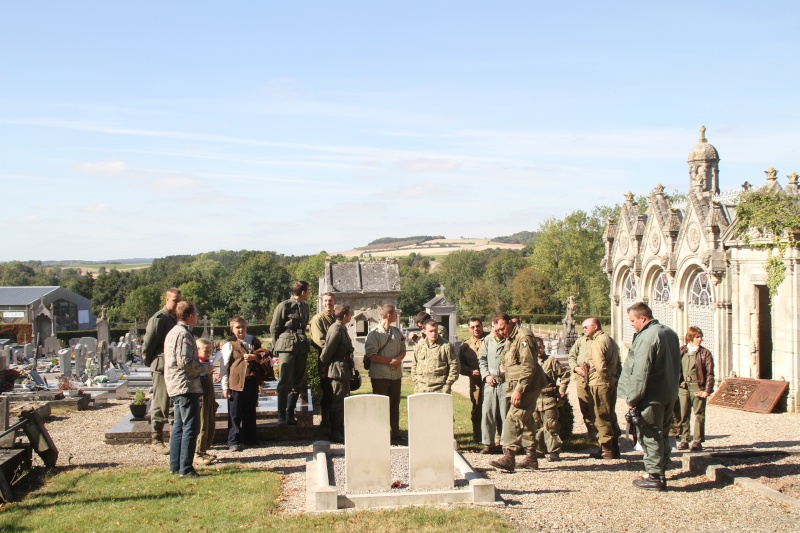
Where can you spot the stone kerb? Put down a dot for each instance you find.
(430, 441)
(367, 443)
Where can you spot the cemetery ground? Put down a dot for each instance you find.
(99, 487)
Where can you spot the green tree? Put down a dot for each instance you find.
(460, 269)
(527, 293)
(257, 285)
(567, 256)
(309, 269)
(140, 304)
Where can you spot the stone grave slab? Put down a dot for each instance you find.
(430, 440)
(367, 443)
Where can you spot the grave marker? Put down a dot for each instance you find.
(367, 445)
(430, 440)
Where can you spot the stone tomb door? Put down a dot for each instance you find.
(762, 332)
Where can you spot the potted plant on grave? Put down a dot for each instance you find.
(139, 405)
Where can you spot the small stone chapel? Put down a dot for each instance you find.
(684, 261)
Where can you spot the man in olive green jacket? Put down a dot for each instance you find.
(434, 367)
(578, 357)
(288, 330)
(159, 325)
(604, 368)
(524, 382)
(649, 383)
(318, 328)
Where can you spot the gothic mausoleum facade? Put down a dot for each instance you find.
(685, 261)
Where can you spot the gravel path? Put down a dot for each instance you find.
(577, 494)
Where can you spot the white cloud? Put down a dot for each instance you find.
(104, 168)
(424, 164)
(96, 208)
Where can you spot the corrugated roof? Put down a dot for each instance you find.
(23, 295)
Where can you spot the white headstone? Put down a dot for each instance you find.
(367, 443)
(73, 341)
(111, 374)
(27, 351)
(65, 362)
(430, 441)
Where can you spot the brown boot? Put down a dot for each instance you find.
(507, 462)
(605, 452)
(157, 444)
(530, 460)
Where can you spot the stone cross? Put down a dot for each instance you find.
(204, 322)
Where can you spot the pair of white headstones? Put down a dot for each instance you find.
(368, 445)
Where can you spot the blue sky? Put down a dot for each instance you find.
(156, 128)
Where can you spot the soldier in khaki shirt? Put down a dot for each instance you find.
(434, 367)
(524, 382)
(604, 371)
(578, 363)
(318, 328)
(468, 359)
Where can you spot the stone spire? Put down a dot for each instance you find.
(704, 165)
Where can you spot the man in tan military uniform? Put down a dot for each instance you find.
(318, 328)
(159, 325)
(524, 381)
(434, 367)
(604, 371)
(546, 416)
(468, 359)
(578, 363)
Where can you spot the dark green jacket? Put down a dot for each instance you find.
(158, 326)
(652, 370)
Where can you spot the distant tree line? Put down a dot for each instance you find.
(563, 260)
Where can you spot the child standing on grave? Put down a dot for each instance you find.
(208, 407)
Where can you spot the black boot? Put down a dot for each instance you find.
(291, 403)
(281, 409)
(615, 448)
(337, 426)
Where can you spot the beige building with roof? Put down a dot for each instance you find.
(684, 260)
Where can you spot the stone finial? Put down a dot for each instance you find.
(792, 178)
(629, 198)
(659, 190)
(703, 134)
(772, 174)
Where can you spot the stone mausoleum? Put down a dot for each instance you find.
(684, 260)
(365, 287)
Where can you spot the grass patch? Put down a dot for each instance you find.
(231, 498)
(145, 499)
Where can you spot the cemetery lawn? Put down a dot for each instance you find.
(230, 498)
(462, 425)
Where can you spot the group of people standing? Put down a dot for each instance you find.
(516, 388)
